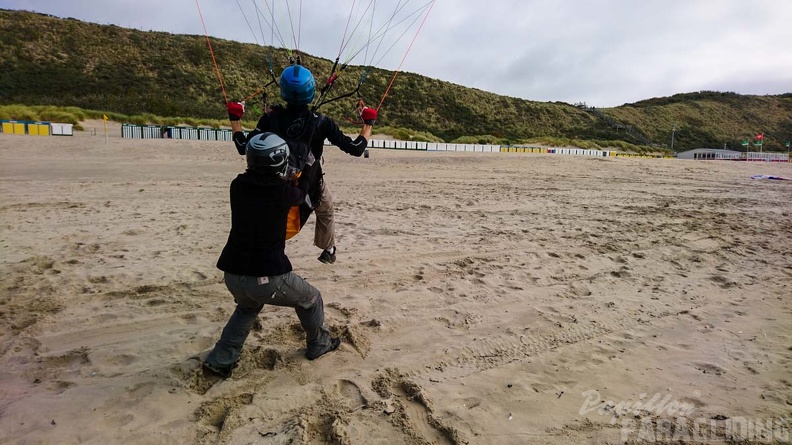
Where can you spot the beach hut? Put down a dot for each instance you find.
(59, 129)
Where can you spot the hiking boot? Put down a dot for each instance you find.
(328, 257)
(335, 342)
(220, 371)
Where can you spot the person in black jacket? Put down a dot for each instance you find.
(257, 270)
(296, 122)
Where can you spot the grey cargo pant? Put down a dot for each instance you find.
(288, 290)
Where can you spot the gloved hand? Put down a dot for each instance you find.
(235, 110)
(369, 115)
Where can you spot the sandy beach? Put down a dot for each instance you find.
(482, 299)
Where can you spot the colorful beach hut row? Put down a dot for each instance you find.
(434, 146)
(523, 149)
(483, 148)
(431, 146)
(575, 152)
(36, 128)
(132, 131)
(579, 152)
(396, 145)
(631, 155)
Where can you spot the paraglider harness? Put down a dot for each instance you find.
(298, 132)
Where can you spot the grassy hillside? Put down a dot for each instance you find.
(66, 62)
(710, 119)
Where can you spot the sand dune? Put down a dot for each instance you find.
(480, 298)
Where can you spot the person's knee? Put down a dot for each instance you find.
(324, 210)
(312, 299)
(326, 204)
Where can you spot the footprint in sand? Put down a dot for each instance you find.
(345, 311)
(350, 392)
(214, 412)
(709, 368)
(57, 386)
(198, 275)
(267, 358)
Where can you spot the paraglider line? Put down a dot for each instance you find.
(211, 51)
(405, 55)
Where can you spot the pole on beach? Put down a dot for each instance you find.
(104, 118)
(673, 130)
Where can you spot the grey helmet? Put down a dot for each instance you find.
(267, 153)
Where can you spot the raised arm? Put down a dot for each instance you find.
(354, 147)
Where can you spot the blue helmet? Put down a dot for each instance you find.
(297, 85)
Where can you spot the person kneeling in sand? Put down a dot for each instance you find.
(257, 270)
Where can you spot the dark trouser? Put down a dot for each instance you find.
(288, 290)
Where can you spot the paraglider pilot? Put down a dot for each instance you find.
(257, 270)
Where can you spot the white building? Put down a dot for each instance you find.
(714, 154)
(704, 154)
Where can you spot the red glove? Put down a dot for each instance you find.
(235, 110)
(369, 115)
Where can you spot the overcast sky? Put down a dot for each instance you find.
(602, 52)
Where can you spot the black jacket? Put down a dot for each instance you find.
(259, 207)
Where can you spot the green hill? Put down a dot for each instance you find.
(66, 62)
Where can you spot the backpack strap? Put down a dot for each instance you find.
(298, 132)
